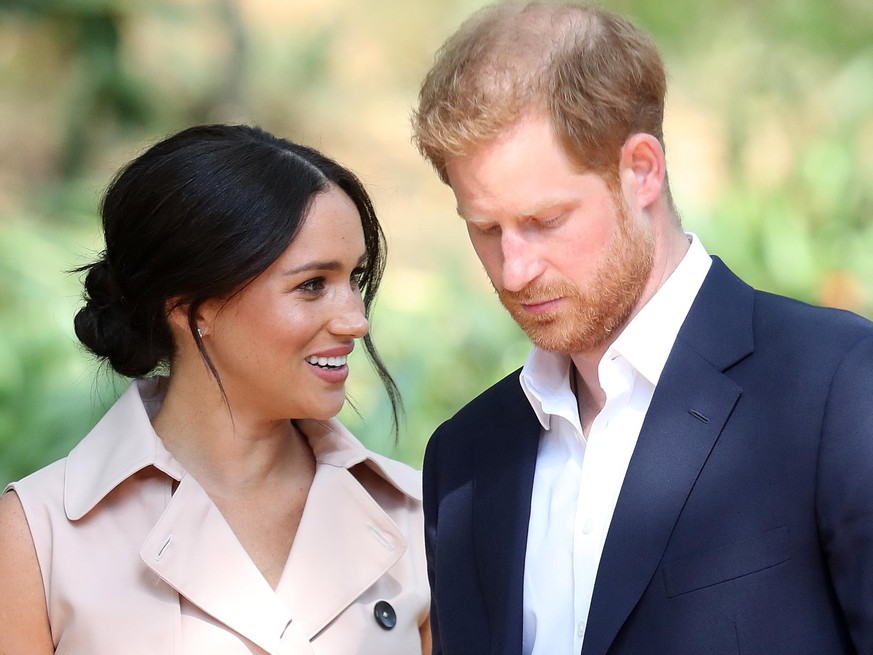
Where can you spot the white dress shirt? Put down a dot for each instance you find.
(577, 482)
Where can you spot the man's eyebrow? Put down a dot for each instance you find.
(332, 265)
(466, 217)
(534, 210)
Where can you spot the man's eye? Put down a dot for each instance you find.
(488, 230)
(552, 222)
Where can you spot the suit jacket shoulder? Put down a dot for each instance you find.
(482, 412)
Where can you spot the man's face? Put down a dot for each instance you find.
(565, 255)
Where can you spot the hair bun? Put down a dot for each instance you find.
(106, 325)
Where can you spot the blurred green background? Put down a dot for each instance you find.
(769, 141)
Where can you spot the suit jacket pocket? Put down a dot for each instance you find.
(727, 563)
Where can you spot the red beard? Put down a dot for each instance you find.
(588, 317)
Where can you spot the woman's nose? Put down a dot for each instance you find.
(350, 319)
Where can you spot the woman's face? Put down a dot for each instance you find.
(280, 345)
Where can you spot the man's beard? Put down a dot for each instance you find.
(602, 307)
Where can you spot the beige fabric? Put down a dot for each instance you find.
(130, 566)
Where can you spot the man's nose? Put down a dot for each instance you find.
(522, 261)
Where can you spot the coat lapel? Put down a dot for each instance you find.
(505, 463)
(344, 544)
(692, 403)
(193, 549)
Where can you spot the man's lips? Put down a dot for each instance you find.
(540, 306)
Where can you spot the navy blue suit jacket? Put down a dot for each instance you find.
(745, 521)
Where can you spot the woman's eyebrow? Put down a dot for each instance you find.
(332, 265)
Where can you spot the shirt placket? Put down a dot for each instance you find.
(599, 486)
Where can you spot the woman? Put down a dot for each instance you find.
(222, 508)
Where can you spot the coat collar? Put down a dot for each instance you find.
(123, 443)
(344, 544)
(690, 407)
(333, 445)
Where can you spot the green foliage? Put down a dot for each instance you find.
(444, 341)
(49, 395)
(773, 101)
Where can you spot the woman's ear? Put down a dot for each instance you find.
(643, 166)
(178, 317)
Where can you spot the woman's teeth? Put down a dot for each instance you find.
(327, 362)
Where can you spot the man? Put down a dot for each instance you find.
(684, 465)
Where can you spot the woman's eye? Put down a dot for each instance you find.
(315, 285)
(358, 276)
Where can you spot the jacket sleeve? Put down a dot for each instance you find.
(845, 490)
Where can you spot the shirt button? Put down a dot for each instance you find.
(580, 628)
(588, 526)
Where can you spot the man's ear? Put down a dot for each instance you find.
(643, 168)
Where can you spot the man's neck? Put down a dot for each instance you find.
(590, 396)
(586, 381)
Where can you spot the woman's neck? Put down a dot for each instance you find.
(226, 449)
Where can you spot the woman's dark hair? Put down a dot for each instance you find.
(198, 216)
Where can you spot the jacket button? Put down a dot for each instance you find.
(385, 615)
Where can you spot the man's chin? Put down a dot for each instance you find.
(564, 344)
(556, 337)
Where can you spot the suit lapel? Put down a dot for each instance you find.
(691, 404)
(671, 450)
(505, 463)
